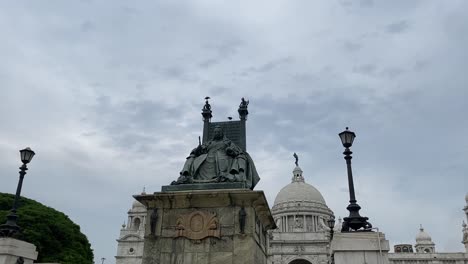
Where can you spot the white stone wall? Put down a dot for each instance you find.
(428, 258)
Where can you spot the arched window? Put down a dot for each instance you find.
(427, 250)
(405, 249)
(300, 261)
(136, 223)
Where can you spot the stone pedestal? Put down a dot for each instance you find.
(360, 247)
(12, 249)
(204, 227)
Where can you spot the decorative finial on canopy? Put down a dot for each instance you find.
(243, 112)
(297, 159)
(206, 111)
(207, 105)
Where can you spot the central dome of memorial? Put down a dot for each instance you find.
(299, 191)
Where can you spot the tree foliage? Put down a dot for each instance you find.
(56, 237)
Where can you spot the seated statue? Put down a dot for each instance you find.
(219, 160)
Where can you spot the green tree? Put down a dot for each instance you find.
(56, 237)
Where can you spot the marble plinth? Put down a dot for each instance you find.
(360, 247)
(12, 249)
(203, 227)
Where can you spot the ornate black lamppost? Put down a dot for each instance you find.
(10, 228)
(331, 225)
(354, 221)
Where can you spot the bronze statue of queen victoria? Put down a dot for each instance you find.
(219, 160)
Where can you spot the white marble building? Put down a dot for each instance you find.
(131, 238)
(425, 249)
(302, 237)
(300, 212)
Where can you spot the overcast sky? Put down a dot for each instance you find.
(109, 95)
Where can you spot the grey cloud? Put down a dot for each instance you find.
(346, 3)
(366, 3)
(361, 3)
(208, 63)
(266, 67)
(351, 46)
(373, 70)
(397, 27)
(393, 72)
(367, 69)
(87, 26)
(222, 52)
(132, 123)
(420, 65)
(178, 73)
(130, 10)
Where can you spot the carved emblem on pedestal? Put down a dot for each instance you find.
(198, 225)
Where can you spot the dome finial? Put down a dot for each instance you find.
(297, 172)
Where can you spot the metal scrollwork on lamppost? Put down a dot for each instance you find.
(354, 221)
(11, 228)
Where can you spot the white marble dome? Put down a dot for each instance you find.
(299, 191)
(423, 236)
(137, 204)
(137, 207)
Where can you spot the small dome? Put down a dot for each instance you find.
(137, 204)
(423, 236)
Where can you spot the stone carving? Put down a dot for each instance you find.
(219, 160)
(198, 225)
(242, 217)
(299, 249)
(465, 233)
(298, 223)
(153, 221)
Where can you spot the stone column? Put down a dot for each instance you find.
(360, 247)
(12, 249)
